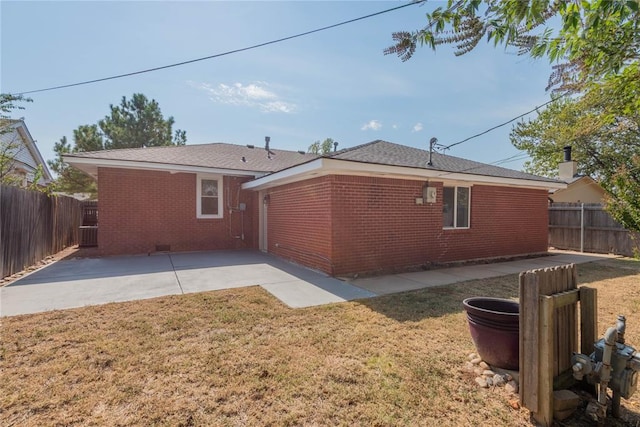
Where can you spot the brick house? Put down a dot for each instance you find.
(376, 207)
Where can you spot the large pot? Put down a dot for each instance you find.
(494, 324)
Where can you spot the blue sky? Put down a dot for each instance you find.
(336, 83)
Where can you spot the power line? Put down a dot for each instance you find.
(217, 55)
(503, 124)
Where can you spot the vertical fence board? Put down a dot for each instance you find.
(588, 319)
(544, 415)
(34, 226)
(529, 292)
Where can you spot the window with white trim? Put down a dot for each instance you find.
(456, 207)
(209, 196)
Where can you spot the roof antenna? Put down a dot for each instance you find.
(432, 142)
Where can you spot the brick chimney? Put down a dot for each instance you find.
(568, 168)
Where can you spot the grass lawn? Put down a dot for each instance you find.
(240, 357)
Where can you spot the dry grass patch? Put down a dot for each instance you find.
(239, 357)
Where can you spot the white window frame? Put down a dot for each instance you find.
(219, 180)
(455, 207)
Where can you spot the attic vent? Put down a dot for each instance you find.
(250, 146)
(301, 152)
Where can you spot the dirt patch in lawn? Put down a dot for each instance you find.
(240, 357)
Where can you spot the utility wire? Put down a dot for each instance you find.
(503, 124)
(204, 58)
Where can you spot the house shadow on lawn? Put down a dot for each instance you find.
(412, 306)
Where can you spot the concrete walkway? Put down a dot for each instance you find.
(383, 285)
(91, 281)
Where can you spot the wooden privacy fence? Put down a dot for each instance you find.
(587, 227)
(34, 226)
(549, 333)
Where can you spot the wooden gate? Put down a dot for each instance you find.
(89, 227)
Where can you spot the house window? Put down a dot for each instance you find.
(209, 196)
(455, 207)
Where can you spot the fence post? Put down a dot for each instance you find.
(582, 227)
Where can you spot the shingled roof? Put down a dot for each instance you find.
(243, 159)
(387, 153)
(215, 155)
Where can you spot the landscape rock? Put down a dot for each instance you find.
(476, 361)
(472, 356)
(488, 373)
(484, 365)
(511, 387)
(482, 382)
(498, 380)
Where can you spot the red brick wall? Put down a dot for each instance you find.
(367, 224)
(141, 209)
(299, 223)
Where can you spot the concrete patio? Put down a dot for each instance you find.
(91, 281)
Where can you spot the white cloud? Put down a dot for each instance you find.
(254, 95)
(394, 126)
(417, 127)
(373, 125)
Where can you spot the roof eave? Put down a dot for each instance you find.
(90, 167)
(329, 166)
(20, 125)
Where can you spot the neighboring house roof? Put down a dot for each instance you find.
(580, 189)
(215, 157)
(379, 158)
(22, 147)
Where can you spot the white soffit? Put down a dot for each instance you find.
(327, 166)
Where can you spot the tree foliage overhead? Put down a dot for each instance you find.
(602, 125)
(135, 123)
(592, 38)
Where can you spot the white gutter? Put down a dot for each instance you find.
(90, 166)
(327, 166)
